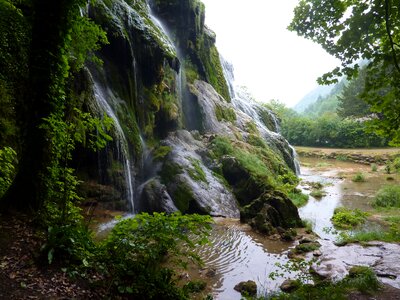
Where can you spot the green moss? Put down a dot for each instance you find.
(161, 152)
(307, 247)
(251, 128)
(256, 140)
(191, 71)
(182, 197)
(266, 168)
(226, 114)
(318, 194)
(298, 199)
(345, 218)
(197, 172)
(169, 171)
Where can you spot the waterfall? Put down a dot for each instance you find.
(190, 113)
(242, 100)
(106, 100)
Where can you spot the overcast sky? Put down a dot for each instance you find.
(271, 61)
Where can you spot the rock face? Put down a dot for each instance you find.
(194, 187)
(163, 84)
(383, 258)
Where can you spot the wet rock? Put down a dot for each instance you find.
(269, 211)
(211, 272)
(306, 240)
(307, 247)
(335, 262)
(155, 197)
(317, 253)
(289, 285)
(193, 187)
(248, 288)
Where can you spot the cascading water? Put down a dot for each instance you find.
(105, 101)
(190, 113)
(243, 101)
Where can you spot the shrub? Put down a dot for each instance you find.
(374, 167)
(387, 196)
(298, 199)
(359, 177)
(345, 218)
(136, 248)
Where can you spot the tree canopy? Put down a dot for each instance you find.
(355, 31)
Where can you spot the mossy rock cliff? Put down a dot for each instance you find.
(185, 18)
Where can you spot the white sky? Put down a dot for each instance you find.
(271, 61)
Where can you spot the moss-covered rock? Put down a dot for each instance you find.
(247, 288)
(185, 18)
(271, 210)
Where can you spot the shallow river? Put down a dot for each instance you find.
(238, 255)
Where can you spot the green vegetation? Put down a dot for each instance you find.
(196, 172)
(360, 278)
(366, 34)
(342, 157)
(161, 152)
(344, 218)
(358, 177)
(298, 199)
(7, 168)
(390, 236)
(317, 193)
(324, 130)
(226, 114)
(387, 196)
(133, 255)
(374, 167)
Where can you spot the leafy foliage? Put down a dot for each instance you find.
(388, 196)
(354, 31)
(326, 130)
(7, 168)
(136, 248)
(345, 218)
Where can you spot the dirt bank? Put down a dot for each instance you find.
(364, 156)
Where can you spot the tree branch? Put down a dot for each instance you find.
(396, 63)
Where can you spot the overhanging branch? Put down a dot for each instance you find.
(389, 33)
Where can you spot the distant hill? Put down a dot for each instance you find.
(327, 103)
(312, 97)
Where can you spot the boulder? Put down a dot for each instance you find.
(155, 197)
(248, 288)
(271, 210)
(290, 285)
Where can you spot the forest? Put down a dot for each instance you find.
(122, 113)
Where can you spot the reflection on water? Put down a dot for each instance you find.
(237, 254)
(340, 190)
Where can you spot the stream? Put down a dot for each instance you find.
(237, 254)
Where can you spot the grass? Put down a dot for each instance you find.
(387, 196)
(359, 177)
(298, 199)
(318, 194)
(374, 167)
(344, 218)
(360, 278)
(342, 157)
